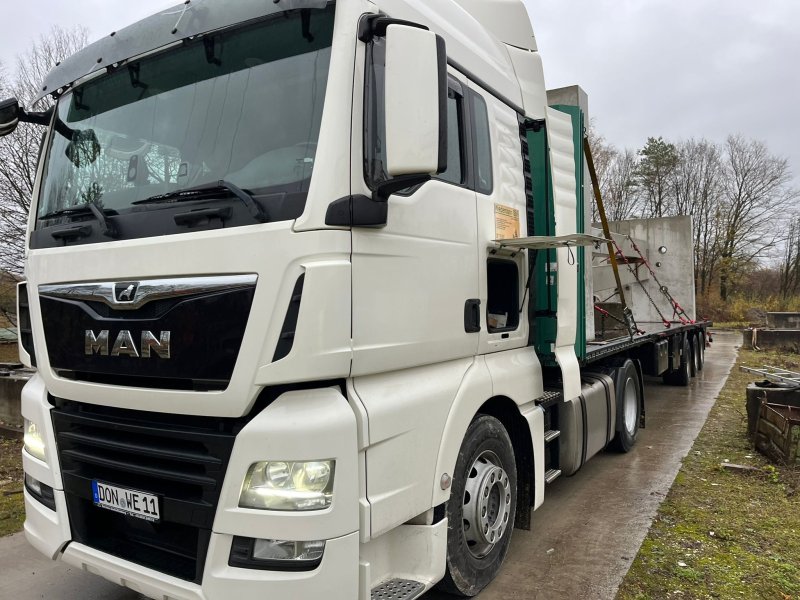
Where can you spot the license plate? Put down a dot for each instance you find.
(128, 502)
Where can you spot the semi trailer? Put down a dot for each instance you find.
(315, 301)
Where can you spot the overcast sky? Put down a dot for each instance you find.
(675, 68)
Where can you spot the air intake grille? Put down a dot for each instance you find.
(180, 459)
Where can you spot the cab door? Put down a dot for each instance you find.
(415, 285)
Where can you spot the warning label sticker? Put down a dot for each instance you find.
(506, 222)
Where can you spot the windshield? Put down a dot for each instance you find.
(242, 106)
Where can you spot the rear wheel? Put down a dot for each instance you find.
(481, 508)
(697, 361)
(682, 375)
(701, 343)
(629, 406)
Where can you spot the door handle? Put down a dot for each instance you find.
(472, 315)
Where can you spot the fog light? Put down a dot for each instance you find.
(40, 491)
(33, 441)
(277, 555)
(286, 550)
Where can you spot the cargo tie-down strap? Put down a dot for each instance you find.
(677, 309)
(629, 321)
(608, 315)
(634, 271)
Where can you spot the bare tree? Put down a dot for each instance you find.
(19, 152)
(621, 193)
(756, 194)
(603, 155)
(790, 267)
(696, 183)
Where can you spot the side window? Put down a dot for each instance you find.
(455, 139)
(484, 182)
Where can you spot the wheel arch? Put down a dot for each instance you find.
(521, 425)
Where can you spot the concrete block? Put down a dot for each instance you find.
(783, 320)
(784, 340)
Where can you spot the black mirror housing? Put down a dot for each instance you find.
(9, 116)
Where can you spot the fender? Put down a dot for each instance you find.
(476, 388)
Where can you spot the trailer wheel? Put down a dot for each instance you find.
(701, 343)
(629, 406)
(697, 364)
(481, 508)
(682, 375)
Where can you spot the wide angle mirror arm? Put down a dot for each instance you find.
(11, 114)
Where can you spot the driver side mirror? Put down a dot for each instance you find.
(9, 116)
(416, 102)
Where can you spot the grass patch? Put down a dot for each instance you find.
(12, 506)
(720, 534)
(731, 325)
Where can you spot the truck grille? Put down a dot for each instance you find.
(181, 459)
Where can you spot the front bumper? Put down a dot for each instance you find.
(335, 578)
(328, 432)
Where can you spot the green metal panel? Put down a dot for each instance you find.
(576, 114)
(546, 278)
(545, 283)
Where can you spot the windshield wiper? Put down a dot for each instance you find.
(253, 207)
(109, 229)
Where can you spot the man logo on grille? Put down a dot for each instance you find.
(126, 292)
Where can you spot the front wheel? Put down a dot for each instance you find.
(481, 508)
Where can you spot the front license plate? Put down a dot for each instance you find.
(125, 501)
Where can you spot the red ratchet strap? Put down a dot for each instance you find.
(678, 310)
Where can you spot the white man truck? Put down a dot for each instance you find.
(309, 295)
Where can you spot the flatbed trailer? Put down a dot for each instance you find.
(654, 333)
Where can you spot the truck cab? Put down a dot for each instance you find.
(284, 344)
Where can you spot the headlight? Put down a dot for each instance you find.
(33, 441)
(280, 485)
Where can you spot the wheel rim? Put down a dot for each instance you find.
(487, 504)
(631, 408)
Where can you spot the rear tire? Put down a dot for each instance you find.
(694, 364)
(481, 508)
(701, 344)
(682, 375)
(629, 406)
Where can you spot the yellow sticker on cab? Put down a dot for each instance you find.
(506, 222)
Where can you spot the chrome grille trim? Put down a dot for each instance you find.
(148, 290)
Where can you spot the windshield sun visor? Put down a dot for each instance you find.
(161, 29)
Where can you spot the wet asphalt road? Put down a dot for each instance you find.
(582, 541)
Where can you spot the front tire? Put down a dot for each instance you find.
(481, 508)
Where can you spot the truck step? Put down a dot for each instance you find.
(398, 589)
(550, 435)
(551, 475)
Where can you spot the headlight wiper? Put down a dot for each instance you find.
(99, 213)
(209, 189)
